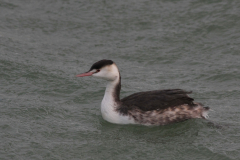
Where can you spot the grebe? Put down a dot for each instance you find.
(158, 107)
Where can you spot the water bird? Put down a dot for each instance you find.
(158, 107)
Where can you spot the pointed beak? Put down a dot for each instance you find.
(85, 74)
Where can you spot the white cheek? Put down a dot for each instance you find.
(108, 73)
(102, 74)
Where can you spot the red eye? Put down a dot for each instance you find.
(97, 71)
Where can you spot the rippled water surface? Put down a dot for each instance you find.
(47, 113)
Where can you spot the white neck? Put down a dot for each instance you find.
(111, 89)
(109, 103)
(111, 99)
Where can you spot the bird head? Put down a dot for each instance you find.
(105, 69)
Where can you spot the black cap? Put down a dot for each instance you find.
(101, 64)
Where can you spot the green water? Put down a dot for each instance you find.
(46, 113)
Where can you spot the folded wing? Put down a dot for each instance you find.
(156, 100)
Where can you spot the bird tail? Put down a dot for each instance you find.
(205, 112)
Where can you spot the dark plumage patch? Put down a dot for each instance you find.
(161, 107)
(155, 100)
(100, 64)
(116, 93)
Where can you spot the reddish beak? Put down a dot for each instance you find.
(84, 74)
